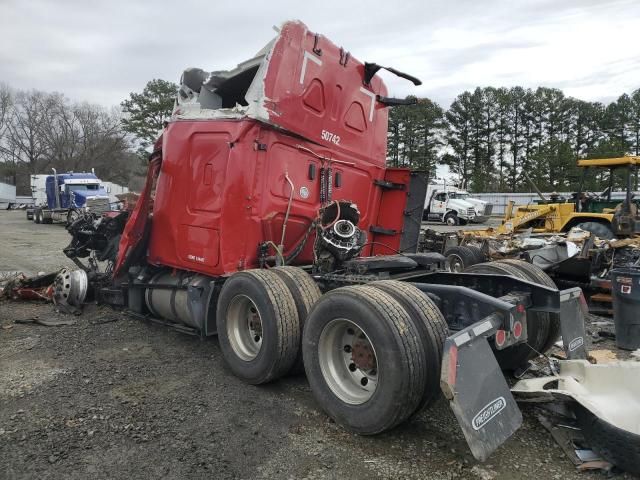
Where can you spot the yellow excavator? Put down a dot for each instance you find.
(599, 214)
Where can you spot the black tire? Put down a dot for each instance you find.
(305, 293)
(37, 216)
(514, 357)
(45, 220)
(537, 275)
(600, 230)
(399, 358)
(451, 219)
(617, 446)
(432, 327)
(279, 337)
(478, 254)
(459, 258)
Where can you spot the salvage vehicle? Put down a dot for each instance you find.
(66, 194)
(453, 206)
(596, 213)
(270, 219)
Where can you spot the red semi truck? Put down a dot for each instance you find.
(269, 218)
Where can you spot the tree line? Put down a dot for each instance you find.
(41, 130)
(490, 136)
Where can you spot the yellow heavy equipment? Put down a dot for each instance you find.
(597, 213)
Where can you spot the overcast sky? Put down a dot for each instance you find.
(99, 51)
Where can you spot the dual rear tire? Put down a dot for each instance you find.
(372, 353)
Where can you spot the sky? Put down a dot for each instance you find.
(99, 51)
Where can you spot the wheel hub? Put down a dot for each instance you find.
(348, 361)
(362, 355)
(244, 327)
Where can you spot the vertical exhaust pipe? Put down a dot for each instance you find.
(57, 187)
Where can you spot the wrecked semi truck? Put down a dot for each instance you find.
(269, 218)
(60, 196)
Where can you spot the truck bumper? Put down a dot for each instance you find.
(474, 384)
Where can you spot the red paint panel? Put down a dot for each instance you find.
(296, 80)
(198, 246)
(391, 211)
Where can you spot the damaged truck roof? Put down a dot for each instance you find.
(300, 82)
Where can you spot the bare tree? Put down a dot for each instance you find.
(45, 130)
(24, 129)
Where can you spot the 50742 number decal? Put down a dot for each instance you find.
(330, 137)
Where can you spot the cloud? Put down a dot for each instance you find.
(101, 51)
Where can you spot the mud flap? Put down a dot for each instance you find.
(476, 389)
(572, 310)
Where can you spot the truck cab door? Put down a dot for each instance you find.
(439, 203)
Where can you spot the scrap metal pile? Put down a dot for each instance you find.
(577, 258)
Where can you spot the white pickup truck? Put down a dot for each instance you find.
(450, 205)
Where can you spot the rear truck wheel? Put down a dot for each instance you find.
(459, 258)
(364, 359)
(600, 230)
(37, 216)
(48, 220)
(431, 326)
(478, 254)
(305, 293)
(451, 219)
(514, 357)
(537, 275)
(258, 326)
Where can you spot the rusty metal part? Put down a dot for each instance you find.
(21, 287)
(362, 355)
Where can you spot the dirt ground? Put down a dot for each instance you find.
(110, 397)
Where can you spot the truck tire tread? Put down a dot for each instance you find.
(432, 327)
(305, 294)
(280, 309)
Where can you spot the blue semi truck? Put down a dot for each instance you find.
(69, 193)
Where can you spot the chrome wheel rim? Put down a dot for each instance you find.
(455, 263)
(348, 361)
(451, 221)
(244, 327)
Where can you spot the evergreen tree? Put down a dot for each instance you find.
(146, 112)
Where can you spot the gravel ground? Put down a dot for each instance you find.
(110, 397)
